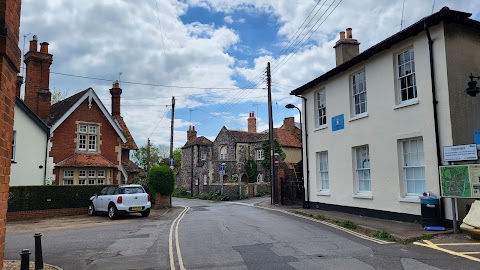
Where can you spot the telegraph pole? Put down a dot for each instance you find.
(148, 155)
(171, 127)
(273, 180)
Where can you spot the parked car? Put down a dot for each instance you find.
(118, 200)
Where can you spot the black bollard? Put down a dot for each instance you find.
(38, 251)
(25, 262)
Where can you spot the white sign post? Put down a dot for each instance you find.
(460, 152)
(222, 173)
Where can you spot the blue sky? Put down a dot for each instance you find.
(205, 53)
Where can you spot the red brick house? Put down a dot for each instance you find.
(88, 145)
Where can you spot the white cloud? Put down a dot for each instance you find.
(228, 19)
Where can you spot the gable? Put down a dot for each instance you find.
(32, 116)
(90, 97)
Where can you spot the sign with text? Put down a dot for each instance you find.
(460, 152)
(460, 181)
(338, 122)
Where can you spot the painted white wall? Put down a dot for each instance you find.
(28, 167)
(382, 129)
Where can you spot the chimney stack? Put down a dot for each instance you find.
(252, 123)
(289, 123)
(346, 47)
(37, 79)
(116, 92)
(191, 134)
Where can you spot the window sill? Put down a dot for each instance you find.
(410, 199)
(407, 103)
(320, 128)
(363, 196)
(358, 116)
(323, 193)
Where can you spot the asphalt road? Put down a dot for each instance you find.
(217, 235)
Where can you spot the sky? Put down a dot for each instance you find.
(211, 55)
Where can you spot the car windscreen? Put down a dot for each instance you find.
(131, 190)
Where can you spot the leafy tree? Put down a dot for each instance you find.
(156, 155)
(251, 170)
(161, 180)
(177, 156)
(266, 150)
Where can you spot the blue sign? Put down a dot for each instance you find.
(338, 122)
(222, 168)
(172, 162)
(476, 136)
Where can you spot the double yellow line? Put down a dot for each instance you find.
(177, 245)
(465, 255)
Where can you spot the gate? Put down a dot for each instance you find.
(293, 192)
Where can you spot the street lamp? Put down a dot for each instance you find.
(472, 88)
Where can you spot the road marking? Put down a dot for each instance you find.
(359, 235)
(459, 244)
(431, 245)
(170, 241)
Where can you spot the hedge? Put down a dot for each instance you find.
(24, 198)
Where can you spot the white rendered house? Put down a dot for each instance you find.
(378, 121)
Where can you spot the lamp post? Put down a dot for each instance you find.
(472, 88)
(291, 106)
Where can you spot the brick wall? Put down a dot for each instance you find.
(9, 67)
(48, 213)
(65, 136)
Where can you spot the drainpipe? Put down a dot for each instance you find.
(304, 104)
(46, 159)
(435, 118)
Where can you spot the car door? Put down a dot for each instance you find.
(98, 200)
(111, 191)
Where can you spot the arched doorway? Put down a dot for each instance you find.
(244, 179)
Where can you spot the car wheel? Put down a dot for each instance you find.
(91, 210)
(145, 213)
(112, 212)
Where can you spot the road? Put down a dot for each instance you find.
(219, 235)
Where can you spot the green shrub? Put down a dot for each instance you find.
(349, 224)
(384, 235)
(320, 217)
(24, 198)
(180, 193)
(213, 196)
(161, 179)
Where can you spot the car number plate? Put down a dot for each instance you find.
(136, 208)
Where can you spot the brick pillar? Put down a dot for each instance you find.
(9, 68)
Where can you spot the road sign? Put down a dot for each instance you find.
(222, 168)
(276, 161)
(172, 161)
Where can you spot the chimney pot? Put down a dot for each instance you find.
(342, 35)
(34, 44)
(349, 33)
(44, 47)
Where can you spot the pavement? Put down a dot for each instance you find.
(404, 232)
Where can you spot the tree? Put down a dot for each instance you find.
(140, 156)
(251, 170)
(177, 156)
(58, 95)
(266, 150)
(161, 180)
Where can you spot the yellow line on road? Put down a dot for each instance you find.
(459, 244)
(179, 254)
(436, 247)
(473, 253)
(170, 239)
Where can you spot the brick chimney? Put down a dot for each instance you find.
(346, 47)
(191, 134)
(289, 123)
(116, 92)
(37, 79)
(19, 85)
(252, 123)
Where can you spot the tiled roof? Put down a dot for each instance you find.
(248, 137)
(131, 167)
(130, 144)
(199, 141)
(85, 160)
(58, 109)
(286, 138)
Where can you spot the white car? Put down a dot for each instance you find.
(117, 200)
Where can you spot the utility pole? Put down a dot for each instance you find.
(273, 180)
(148, 155)
(171, 127)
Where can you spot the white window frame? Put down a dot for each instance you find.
(203, 156)
(415, 168)
(88, 135)
(14, 145)
(321, 108)
(259, 154)
(402, 67)
(358, 85)
(322, 171)
(82, 181)
(223, 153)
(68, 177)
(362, 169)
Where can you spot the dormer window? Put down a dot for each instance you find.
(87, 137)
